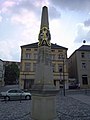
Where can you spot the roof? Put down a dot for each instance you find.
(84, 48)
(55, 46)
(35, 45)
(1, 60)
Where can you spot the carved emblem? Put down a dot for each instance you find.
(44, 37)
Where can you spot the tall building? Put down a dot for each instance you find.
(1, 73)
(79, 66)
(28, 65)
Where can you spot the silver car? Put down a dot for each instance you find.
(15, 94)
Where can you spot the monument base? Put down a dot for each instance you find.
(44, 107)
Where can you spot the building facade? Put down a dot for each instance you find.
(79, 66)
(1, 73)
(29, 61)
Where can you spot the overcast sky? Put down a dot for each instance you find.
(69, 23)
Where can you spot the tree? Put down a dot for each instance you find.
(11, 74)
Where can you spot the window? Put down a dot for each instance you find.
(84, 80)
(89, 55)
(53, 50)
(60, 50)
(1, 74)
(60, 56)
(28, 49)
(83, 55)
(83, 65)
(12, 91)
(28, 55)
(34, 66)
(53, 67)
(27, 66)
(35, 55)
(60, 68)
(19, 91)
(35, 49)
(53, 57)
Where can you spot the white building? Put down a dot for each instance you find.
(79, 66)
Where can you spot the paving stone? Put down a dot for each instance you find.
(68, 108)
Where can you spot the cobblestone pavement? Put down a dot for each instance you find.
(72, 109)
(68, 108)
(14, 110)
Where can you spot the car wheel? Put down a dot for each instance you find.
(7, 98)
(28, 97)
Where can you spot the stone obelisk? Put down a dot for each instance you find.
(44, 91)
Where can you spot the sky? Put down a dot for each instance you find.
(69, 24)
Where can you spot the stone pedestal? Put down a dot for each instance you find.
(43, 107)
(43, 91)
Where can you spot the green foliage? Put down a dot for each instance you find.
(11, 73)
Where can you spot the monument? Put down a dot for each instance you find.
(43, 90)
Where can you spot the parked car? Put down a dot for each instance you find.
(15, 94)
(74, 86)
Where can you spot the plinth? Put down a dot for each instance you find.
(44, 106)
